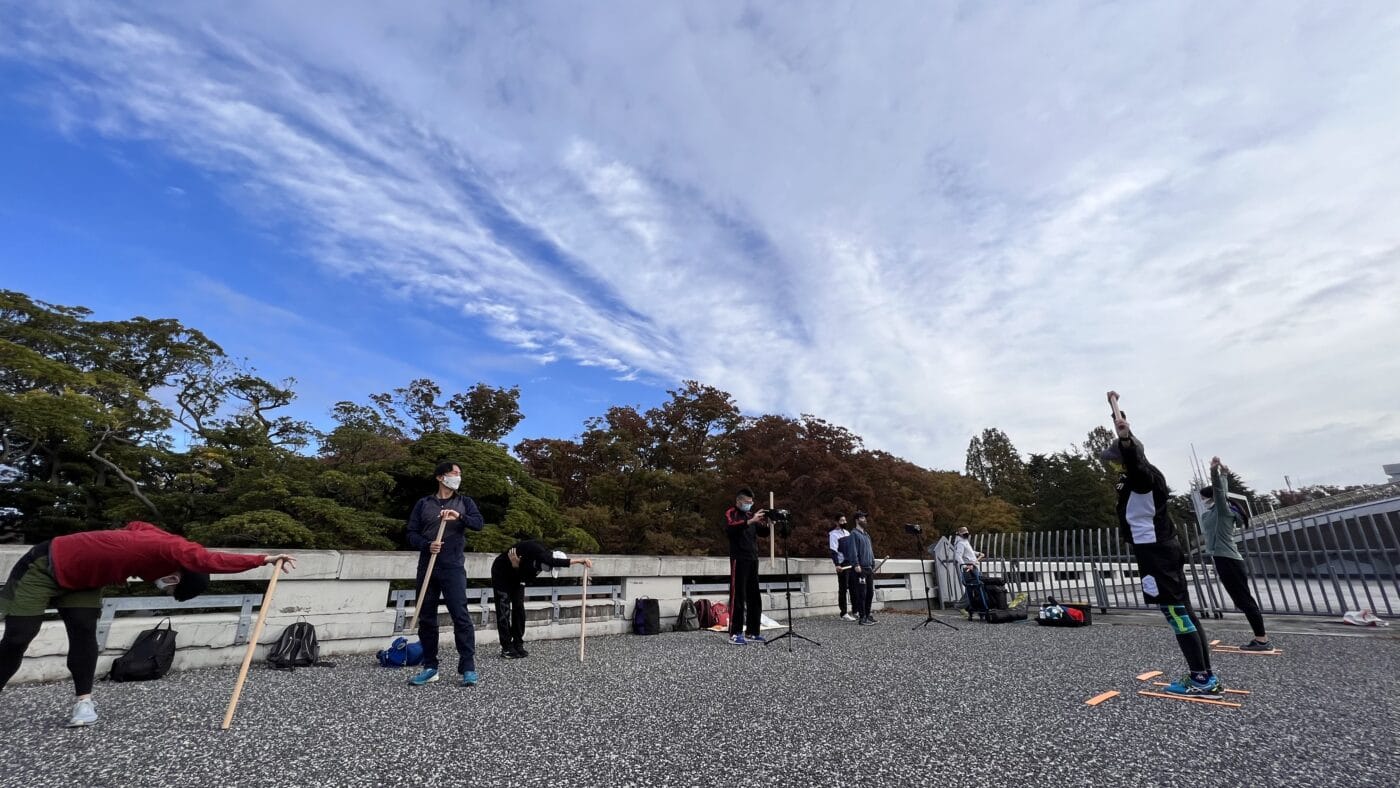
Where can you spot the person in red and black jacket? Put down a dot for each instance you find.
(745, 604)
(68, 572)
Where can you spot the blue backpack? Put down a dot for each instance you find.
(401, 653)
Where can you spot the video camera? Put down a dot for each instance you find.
(776, 515)
(913, 528)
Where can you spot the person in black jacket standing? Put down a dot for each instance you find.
(743, 526)
(859, 551)
(454, 513)
(509, 573)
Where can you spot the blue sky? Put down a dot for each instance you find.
(913, 219)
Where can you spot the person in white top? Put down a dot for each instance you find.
(968, 561)
(843, 566)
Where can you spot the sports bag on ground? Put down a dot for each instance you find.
(705, 612)
(646, 616)
(401, 653)
(296, 648)
(1005, 615)
(149, 657)
(721, 613)
(689, 618)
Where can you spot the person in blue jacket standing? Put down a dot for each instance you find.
(454, 513)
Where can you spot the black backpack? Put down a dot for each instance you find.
(646, 616)
(296, 648)
(149, 657)
(689, 619)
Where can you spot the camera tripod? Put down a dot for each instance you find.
(928, 589)
(791, 633)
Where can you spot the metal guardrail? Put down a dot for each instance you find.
(402, 600)
(1329, 503)
(245, 603)
(1323, 565)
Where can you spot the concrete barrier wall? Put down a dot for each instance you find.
(345, 595)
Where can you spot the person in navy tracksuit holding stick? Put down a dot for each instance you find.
(455, 513)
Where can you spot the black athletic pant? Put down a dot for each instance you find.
(1190, 636)
(448, 585)
(861, 592)
(510, 612)
(745, 603)
(1234, 575)
(843, 589)
(81, 623)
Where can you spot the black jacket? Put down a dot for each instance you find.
(1142, 499)
(743, 537)
(534, 558)
(423, 527)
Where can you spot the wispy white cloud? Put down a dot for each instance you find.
(913, 219)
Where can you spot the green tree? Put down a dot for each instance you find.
(994, 461)
(487, 413)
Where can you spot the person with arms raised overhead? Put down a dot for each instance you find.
(1144, 522)
(1220, 522)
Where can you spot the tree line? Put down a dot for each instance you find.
(104, 421)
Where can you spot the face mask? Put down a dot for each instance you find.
(165, 583)
(964, 536)
(744, 507)
(451, 482)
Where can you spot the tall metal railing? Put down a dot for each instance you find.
(1323, 565)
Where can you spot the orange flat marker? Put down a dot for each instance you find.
(1101, 697)
(1151, 674)
(1190, 699)
(1227, 692)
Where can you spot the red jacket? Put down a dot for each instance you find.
(103, 558)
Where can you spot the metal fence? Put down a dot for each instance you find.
(1325, 564)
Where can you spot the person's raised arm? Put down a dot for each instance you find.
(1220, 490)
(196, 558)
(1135, 462)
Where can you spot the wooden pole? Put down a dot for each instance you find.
(772, 540)
(427, 577)
(252, 644)
(583, 616)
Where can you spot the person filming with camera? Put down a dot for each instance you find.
(743, 526)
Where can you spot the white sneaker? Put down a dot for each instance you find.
(848, 617)
(84, 713)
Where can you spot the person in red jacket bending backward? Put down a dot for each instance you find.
(68, 572)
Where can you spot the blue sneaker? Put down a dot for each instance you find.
(1211, 687)
(757, 639)
(425, 676)
(737, 640)
(469, 679)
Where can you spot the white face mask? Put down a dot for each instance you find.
(168, 582)
(744, 507)
(452, 482)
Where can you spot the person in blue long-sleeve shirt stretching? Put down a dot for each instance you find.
(454, 514)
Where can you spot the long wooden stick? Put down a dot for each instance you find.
(772, 538)
(583, 616)
(252, 644)
(427, 577)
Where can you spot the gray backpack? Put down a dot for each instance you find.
(689, 619)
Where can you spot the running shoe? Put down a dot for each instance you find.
(425, 676)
